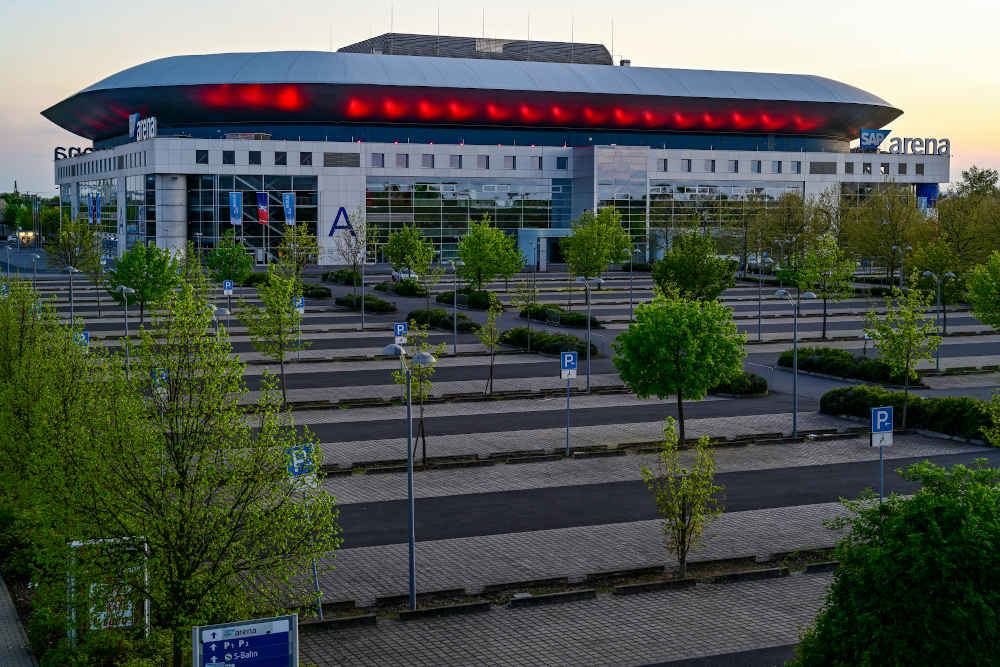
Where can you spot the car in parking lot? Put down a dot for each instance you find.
(403, 274)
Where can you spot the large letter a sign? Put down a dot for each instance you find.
(342, 213)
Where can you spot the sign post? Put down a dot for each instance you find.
(881, 437)
(299, 303)
(302, 472)
(567, 370)
(227, 291)
(263, 641)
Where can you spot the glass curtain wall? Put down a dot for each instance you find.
(108, 227)
(621, 185)
(442, 209)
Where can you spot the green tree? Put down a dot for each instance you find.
(978, 182)
(885, 222)
(679, 347)
(421, 378)
(970, 226)
(828, 272)
(150, 271)
(230, 260)
(918, 580)
(77, 246)
(408, 249)
(904, 336)
(693, 267)
(525, 296)
(489, 335)
(192, 271)
(298, 249)
(939, 258)
(596, 241)
(48, 219)
(984, 291)
(486, 253)
(686, 498)
(274, 329)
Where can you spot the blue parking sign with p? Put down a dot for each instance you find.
(227, 287)
(399, 328)
(568, 361)
(881, 427)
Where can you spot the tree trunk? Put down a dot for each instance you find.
(100, 313)
(682, 547)
(284, 395)
(423, 435)
(142, 314)
(824, 316)
(680, 419)
(906, 394)
(529, 334)
(176, 644)
(944, 318)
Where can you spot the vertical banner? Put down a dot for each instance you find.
(262, 208)
(97, 208)
(288, 202)
(236, 208)
(90, 209)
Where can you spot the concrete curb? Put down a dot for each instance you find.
(552, 598)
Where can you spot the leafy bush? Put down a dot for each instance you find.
(255, 279)
(474, 299)
(440, 319)
(639, 266)
(746, 384)
(409, 287)
(953, 415)
(383, 286)
(316, 291)
(833, 361)
(567, 318)
(543, 341)
(343, 277)
(373, 304)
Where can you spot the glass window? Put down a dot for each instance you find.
(562, 162)
(866, 168)
(427, 160)
(455, 161)
(775, 166)
(883, 168)
(661, 164)
(254, 157)
(902, 169)
(280, 158)
(919, 169)
(796, 166)
(402, 160)
(509, 162)
(228, 157)
(305, 159)
(482, 162)
(378, 160)
(733, 166)
(686, 165)
(848, 167)
(755, 166)
(201, 157)
(710, 166)
(535, 162)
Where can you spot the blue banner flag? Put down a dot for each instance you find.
(288, 202)
(90, 209)
(236, 208)
(97, 208)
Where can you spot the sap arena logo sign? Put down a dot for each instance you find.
(872, 139)
(911, 146)
(342, 214)
(61, 153)
(141, 129)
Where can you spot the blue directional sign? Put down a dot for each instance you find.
(4, 289)
(399, 331)
(299, 304)
(36, 308)
(227, 287)
(881, 427)
(82, 338)
(265, 642)
(159, 377)
(301, 460)
(567, 365)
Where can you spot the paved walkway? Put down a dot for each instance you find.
(14, 651)
(710, 619)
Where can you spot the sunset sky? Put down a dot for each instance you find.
(935, 61)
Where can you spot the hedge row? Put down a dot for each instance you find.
(953, 415)
(373, 304)
(742, 385)
(567, 318)
(543, 341)
(470, 298)
(833, 361)
(440, 319)
(343, 277)
(407, 287)
(255, 279)
(639, 266)
(315, 291)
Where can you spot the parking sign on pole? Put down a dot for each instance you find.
(881, 437)
(299, 303)
(399, 330)
(227, 287)
(567, 370)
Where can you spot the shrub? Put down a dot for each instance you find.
(316, 291)
(373, 304)
(746, 384)
(543, 341)
(440, 319)
(953, 415)
(833, 361)
(639, 266)
(409, 287)
(343, 277)
(255, 279)
(474, 299)
(383, 286)
(567, 318)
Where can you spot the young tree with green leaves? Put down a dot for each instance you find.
(352, 248)
(421, 376)
(984, 291)
(298, 249)
(886, 221)
(489, 335)
(274, 329)
(524, 297)
(150, 271)
(408, 249)
(938, 258)
(487, 253)
(192, 271)
(230, 260)
(679, 347)
(693, 267)
(828, 272)
(911, 564)
(77, 246)
(904, 336)
(428, 278)
(687, 499)
(596, 242)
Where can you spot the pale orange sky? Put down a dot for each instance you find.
(935, 61)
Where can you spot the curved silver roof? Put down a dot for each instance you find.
(324, 67)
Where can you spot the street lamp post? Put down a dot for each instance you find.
(902, 250)
(795, 354)
(220, 312)
(937, 319)
(454, 307)
(364, 258)
(71, 270)
(586, 286)
(631, 270)
(34, 269)
(125, 292)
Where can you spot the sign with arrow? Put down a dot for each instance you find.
(273, 642)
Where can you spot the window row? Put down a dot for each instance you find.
(733, 166)
(124, 161)
(430, 161)
(885, 168)
(279, 158)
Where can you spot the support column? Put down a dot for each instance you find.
(171, 213)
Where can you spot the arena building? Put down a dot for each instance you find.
(438, 131)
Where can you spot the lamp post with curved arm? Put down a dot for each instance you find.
(795, 353)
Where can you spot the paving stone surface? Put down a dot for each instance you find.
(14, 651)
